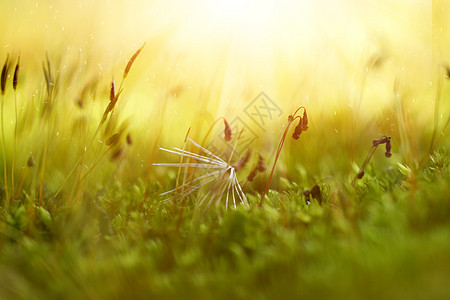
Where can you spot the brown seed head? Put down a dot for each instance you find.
(242, 162)
(261, 164)
(131, 61)
(259, 167)
(227, 131)
(112, 92)
(113, 140)
(388, 146)
(316, 194)
(388, 149)
(129, 140)
(4, 76)
(30, 162)
(360, 174)
(298, 130)
(16, 74)
(251, 176)
(117, 154)
(305, 120)
(111, 106)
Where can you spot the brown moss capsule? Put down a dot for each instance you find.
(261, 165)
(360, 174)
(251, 176)
(298, 130)
(131, 61)
(112, 93)
(117, 154)
(30, 162)
(16, 74)
(4, 76)
(305, 121)
(242, 162)
(315, 193)
(227, 131)
(111, 105)
(388, 146)
(388, 149)
(113, 140)
(129, 140)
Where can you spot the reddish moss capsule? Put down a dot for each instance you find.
(227, 131)
(129, 140)
(298, 130)
(261, 165)
(16, 74)
(388, 149)
(360, 174)
(242, 161)
(251, 176)
(31, 162)
(112, 92)
(113, 140)
(305, 121)
(4, 76)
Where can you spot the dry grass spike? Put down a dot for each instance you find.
(131, 61)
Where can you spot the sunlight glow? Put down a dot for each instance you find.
(229, 51)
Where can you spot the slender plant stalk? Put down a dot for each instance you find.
(438, 139)
(81, 180)
(435, 138)
(211, 128)
(302, 124)
(41, 184)
(280, 146)
(180, 217)
(177, 181)
(95, 164)
(15, 82)
(386, 140)
(436, 114)
(80, 158)
(23, 176)
(114, 97)
(14, 148)
(4, 151)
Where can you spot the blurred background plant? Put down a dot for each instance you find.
(363, 70)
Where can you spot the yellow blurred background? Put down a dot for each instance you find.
(205, 59)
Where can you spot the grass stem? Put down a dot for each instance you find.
(14, 148)
(4, 150)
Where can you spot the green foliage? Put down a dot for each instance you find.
(74, 225)
(378, 240)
